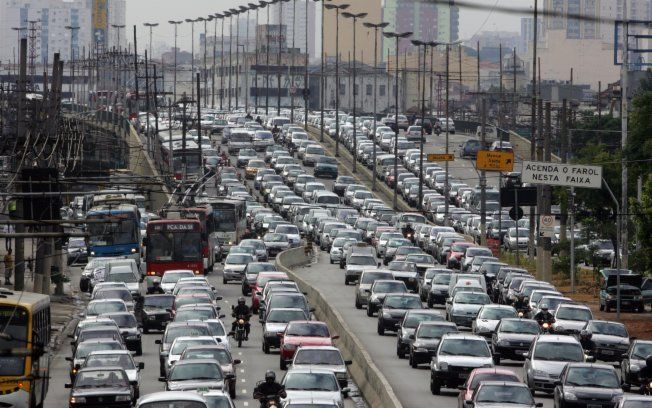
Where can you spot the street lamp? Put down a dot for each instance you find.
(278, 67)
(375, 27)
(397, 37)
(355, 18)
(176, 25)
(337, 9)
(72, 60)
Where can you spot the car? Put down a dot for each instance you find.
(220, 354)
(323, 357)
(314, 383)
(513, 337)
(488, 318)
(585, 384)
(546, 359)
(117, 358)
(155, 312)
(130, 330)
(275, 324)
(504, 394)
(407, 327)
(303, 333)
(457, 355)
(97, 384)
(481, 375)
(380, 288)
(196, 374)
(609, 340)
(634, 361)
(464, 307)
(393, 310)
(425, 340)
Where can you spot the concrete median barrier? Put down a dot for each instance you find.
(372, 383)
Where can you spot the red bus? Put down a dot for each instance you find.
(174, 244)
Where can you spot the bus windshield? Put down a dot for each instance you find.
(13, 321)
(124, 231)
(178, 246)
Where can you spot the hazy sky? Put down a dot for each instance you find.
(161, 11)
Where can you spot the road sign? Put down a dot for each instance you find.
(440, 157)
(555, 174)
(547, 226)
(495, 161)
(516, 213)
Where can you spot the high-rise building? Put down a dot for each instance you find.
(50, 18)
(294, 17)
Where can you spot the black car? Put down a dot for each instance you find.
(425, 341)
(586, 384)
(326, 167)
(341, 183)
(105, 386)
(513, 337)
(608, 341)
(394, 308)
(408, 325)
(155, 313)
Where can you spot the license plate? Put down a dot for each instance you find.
(608, 352)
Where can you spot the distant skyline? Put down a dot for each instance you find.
(161, 11)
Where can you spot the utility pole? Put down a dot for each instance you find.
(483, 178)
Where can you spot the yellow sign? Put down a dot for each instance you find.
(495, 161)
(440, 157)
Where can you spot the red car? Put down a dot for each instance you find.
(454, 259)
(261, 281)
(483, 374)
(303, 333)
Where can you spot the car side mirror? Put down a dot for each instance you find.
(162, 379)
(158, 341)
(237, 361)
(348, 362)
(67, 385)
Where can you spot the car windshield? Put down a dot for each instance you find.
(552, 351)
(480, 377)
(496, 313)
(472, 298)
(311, 381)
(464, 347)
(519, 326)
(285, 316)
(431, 331)
(504, 394)
(592, 377)
(101, 379)
(200, 371)
(573, 313)
(608, 328)
(402, 302)
(413, 319)
(307, 329)
(325, 357)
(159, 302)
(105, 360)
(219, 354)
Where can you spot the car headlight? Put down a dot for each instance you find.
(569, 396)
(77, 400)
(539, 373)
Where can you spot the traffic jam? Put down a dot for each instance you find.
(204, 292)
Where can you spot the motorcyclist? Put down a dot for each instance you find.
(586, 342)
(268, 388)
(156, 288)
(242, 311)
(544, 316)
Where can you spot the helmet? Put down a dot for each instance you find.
(585, 334)
(270, 376)
(544, 307)
(241, 301)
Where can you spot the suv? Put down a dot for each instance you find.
(457, 355)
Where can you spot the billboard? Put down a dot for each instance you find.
(100, 21)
